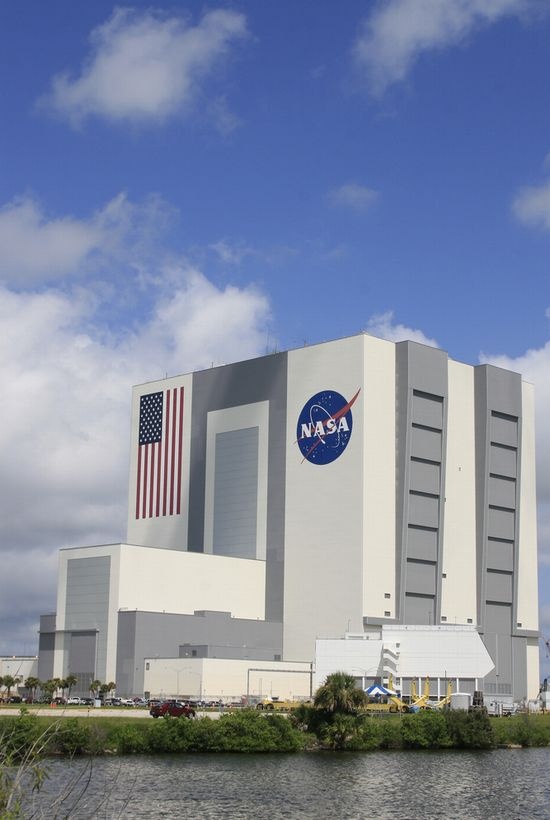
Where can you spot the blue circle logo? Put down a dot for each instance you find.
(324, 427)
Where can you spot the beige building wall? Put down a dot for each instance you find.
(459, 586)
(323, 572)
(528, 605)
(228, 680)
(379, 478)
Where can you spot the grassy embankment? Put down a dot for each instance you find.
(248, 731)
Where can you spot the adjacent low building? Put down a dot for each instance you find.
(353, 486)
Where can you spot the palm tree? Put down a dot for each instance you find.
(50, 686)
(339, 694)
(8, 681)
(71, 680)
(32, 685)
(95, 687)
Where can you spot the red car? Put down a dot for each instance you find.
(174, 709)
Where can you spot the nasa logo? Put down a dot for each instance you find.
(324, 427)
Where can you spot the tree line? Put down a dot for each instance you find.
(49, 687)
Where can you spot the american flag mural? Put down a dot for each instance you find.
(159, 457)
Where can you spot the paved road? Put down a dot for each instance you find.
(84, 711)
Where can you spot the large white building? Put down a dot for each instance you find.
(331, 489)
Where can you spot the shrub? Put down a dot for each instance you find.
(72, 737)
(127, 739)
(470, 730)
(425, 730)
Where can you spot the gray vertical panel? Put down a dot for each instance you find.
(498, 404)
(422, 544)
(46, 646)
(497, 638)
(423, 510)
(427, 410)
(519, 667)
(426, 444)
(419, 370)
(87, 602)
(425, 477)
(499, 586)
(419, 609)
(502, 492)
(500, 555)
(501, 524)
(503, 430)
(82, 653)
(257, 380)
(236, 493)
(421, 579)
(503, 461)
(129, 668)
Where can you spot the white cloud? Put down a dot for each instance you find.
(231, 253)
(64, 436)
(399, 31)
(352, 195)
(146, 66)
(532, 206)
(383, 326)
(35, 248)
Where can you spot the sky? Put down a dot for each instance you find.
(185, 184)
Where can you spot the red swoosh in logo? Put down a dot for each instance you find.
(342, 412)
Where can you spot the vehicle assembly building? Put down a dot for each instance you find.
(347, 487)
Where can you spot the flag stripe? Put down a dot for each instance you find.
(167, 427)
(138, 485)
(145, 474)
(173, 436)
(159, 459)
(151, 479)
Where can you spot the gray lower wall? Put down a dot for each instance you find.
(157, 634)
(46, 646)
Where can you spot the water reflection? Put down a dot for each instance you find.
(500, 784)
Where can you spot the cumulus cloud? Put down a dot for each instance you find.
(384, 326)
(64, 436)
(352, 195)
(146, 67)
(532, 206)
(394, 36)
(36, 248)
(33, 248)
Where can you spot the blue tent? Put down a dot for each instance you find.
(377, 690)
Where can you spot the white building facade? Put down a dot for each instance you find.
(342, 487)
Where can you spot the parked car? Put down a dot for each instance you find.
(74, 701)
(175, 709)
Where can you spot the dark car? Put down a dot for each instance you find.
(174, 709)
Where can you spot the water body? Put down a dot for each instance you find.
(499, 784)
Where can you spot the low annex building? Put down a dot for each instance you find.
(350, 486)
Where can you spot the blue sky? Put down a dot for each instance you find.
(188, 183)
